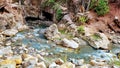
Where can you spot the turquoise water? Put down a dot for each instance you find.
(39, 42)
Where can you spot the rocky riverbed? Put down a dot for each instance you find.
(31, 49)
(61, 45)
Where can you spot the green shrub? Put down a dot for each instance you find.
(93, 4)
(96, 37)
(83, 19)
(102, 7)
(80, 29)
(55, 6)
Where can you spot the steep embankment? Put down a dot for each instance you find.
(107, 23)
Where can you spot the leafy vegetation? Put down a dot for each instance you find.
(81, 29)
(83, 19)
(96, 37)
(102, 7)
(55, 6)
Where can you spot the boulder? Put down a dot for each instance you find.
(7, 64)
(6, 50)
(77, 62)
(98, 40)
(10, 32)
(54, 65)
(41, 65)
(17, 59)
(70, 43)
(52, 32)
(80, 41)
(21, 27)
(97, 63)
(59, 61)
(67, 65)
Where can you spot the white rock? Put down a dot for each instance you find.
(22, 27)
(67, 65)
(16, 58)
(80, 41)
(41, 65)
(6, 50)
(10, 32)
(54, 65)
(94, 62)
(32, 60)
(70, 43)
(7, 64)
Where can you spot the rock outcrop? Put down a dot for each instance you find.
(52, 32)
(98, 40)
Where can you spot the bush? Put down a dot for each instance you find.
(83, 19)
(102, 7)
(80, 29)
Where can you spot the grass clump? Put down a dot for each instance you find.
(83, 19)
(80, 29)
(96, 37)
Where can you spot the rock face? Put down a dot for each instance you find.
(52, 32)
(98, 40)
(70, 43)
(32, 8)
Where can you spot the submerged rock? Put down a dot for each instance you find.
(70, 43)
(98, 40)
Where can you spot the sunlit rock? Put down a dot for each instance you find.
(67, 65)
(52, 32)
(70, 43)
(98, 40)
(17, 59)
(10, 32)
(59, 61)
(41, 65)
(54, 65)
(7, 64)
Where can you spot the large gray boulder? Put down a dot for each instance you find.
(98, 40)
